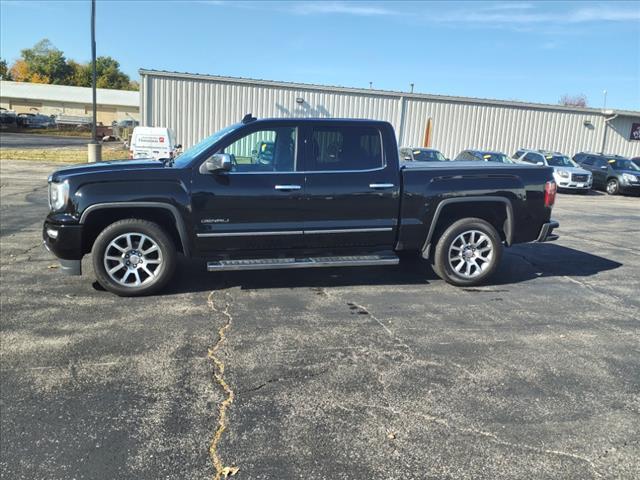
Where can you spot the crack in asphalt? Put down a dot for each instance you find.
(284, 378)
(218, 374)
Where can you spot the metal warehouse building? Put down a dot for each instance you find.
(197, 105)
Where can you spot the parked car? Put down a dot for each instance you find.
(153, 142)
(420, 154)
(612, 173)
(334, 195)
(567, 173)
(483, 156)
(35, 120)
(8, 119)
(126, 123)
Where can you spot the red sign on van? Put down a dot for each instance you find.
(161, 139)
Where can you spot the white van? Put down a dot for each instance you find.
(153, 142)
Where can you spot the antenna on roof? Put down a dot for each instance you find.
(248, 118)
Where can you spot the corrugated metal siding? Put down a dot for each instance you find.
(196, 107)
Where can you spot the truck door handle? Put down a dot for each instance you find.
(287, 187)
(381, 186)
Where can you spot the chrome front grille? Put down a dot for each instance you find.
(579, 177)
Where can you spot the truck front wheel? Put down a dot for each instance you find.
(133, 257)
(468, 252)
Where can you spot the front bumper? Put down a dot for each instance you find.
(567, 184)
(630, 188)
(546, 232)
(65, 242)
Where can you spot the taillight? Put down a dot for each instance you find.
(550, 189)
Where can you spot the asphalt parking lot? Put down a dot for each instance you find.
(370, 373)
(29, 140)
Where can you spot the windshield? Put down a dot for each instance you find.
(622, 164)
(428, 156)
(496, 157)
(559, 161)
(186, 157)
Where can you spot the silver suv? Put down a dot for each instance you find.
(567, 173)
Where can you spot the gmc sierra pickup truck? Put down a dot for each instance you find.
(323, 193)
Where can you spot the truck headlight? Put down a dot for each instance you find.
(563, 173)
(58, 195)
(627, 177)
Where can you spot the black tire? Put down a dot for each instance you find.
(164, 257)
(613, 187)
(442, 265)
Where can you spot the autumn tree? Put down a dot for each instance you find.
(44, 63)
(20, 71)
(573, 100)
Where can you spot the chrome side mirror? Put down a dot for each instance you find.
(540, 163)
(218, 163)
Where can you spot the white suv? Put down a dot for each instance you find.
(567, 173)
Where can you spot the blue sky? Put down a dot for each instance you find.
(531, 51)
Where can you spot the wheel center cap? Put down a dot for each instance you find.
(134, 259)
(467, 252)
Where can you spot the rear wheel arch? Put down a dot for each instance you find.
(99, 216)
(498, 211)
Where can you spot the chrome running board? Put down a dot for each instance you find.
(307, 262)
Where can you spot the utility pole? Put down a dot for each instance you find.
(411, 84)
(604, 105)
(95, 152)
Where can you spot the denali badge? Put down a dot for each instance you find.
(214, 220)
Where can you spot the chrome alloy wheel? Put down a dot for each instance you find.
(133, 259)
(470, 253)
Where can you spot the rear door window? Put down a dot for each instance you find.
(345, 148)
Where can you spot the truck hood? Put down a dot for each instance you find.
(576, 170)
(112, 166)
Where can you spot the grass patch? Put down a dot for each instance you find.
(52, 132)
(61, 155)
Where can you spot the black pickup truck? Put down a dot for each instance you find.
(330, 193)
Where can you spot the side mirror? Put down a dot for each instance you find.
(178, 146)
(408, 159)
(604, 167)
(539, 163)
(218, 163)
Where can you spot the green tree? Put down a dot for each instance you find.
(80, 74)
(109, 75)
(46, 63)
(5, 74)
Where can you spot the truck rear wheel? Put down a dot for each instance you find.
(468, 252)
(133, 257)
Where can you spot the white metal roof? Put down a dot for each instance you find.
(385, 93)
(64, 93)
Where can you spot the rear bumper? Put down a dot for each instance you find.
(65, 242)
(546, 232)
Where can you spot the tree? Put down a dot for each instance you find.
(20, 71)
(5, 74)
(109, 75)
(573, 100)
(46, 63)
(80, 75)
